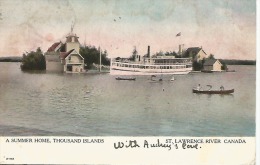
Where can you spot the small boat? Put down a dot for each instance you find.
(213, 91)
(230, 71)
(172, 79)
(207, 71)
(155, 80)
(125, 78)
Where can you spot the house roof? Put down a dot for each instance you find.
(52, 48)
(195, 50)
(210, 62)
(63, 55)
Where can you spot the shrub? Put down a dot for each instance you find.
(34, 60)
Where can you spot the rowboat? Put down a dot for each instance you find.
(125, 78)
(213, 91)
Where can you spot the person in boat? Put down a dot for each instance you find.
(210, 86)
(221, 88)
(152, 77)
(198, 87)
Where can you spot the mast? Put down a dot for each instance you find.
(85, 41)
(99, 59)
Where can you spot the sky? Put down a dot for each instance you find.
(225, 28)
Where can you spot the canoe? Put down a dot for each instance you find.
(125, 78)
(213, 91)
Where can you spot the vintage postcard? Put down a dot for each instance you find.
(142, 81)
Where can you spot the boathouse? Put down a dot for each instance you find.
(65, 57)
(212, 65)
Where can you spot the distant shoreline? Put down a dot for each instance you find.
(238, 62)
(10, 59)
(226, 61)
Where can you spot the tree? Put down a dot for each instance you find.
(91, 55)
(34, 60)
(134, 54)
(173, 53)
(104, 59)
(211, 56)
(198, 65)
(224, 66)
(160, 53)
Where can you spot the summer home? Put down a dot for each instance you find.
(65, 57)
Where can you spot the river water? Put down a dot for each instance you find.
(39, 103)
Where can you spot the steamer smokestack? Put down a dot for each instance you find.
(181, 46)
(148, 52)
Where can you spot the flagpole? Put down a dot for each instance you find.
(99, 59)
(181, 45)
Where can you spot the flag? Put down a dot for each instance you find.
(179, 34)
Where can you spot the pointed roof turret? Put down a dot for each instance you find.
(72, 37)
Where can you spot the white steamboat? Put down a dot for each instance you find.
(148, 65)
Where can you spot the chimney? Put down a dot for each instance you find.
(180, 49)
(148, 52)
